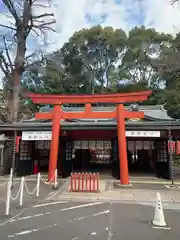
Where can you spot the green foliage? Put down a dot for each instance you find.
(142, 47)
(90, 53)
(100, 60)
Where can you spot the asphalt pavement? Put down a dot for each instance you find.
(59, 218)
(69, 220)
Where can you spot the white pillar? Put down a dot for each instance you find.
(21, 192)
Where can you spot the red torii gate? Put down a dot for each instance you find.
(120, 114)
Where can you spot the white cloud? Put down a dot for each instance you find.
(161, 15)
(125, 14)
(71, 16)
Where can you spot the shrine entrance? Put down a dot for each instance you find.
(92, 156)
(120, 114)
(142, 156)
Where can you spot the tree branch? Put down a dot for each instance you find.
(12, 10)
(3, 68)
(44, 26)
(4, 26)
(44, 15)
(174, 1)
(7, 54)
(3, 61)
(27, 13)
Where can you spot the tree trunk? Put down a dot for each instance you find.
(16, 95)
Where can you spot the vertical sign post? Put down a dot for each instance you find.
(171, 166)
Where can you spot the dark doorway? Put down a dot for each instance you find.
(81, 161)
(162, 163)
(41, 155)
(92, 156)
(142, 161)
(141, 156)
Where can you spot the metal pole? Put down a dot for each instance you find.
(2, 161)
(171, 166)
(14, 156)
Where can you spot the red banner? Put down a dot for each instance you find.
(178, 147)
(171, 146)
(18, 138)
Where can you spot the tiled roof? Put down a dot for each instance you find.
(152, 112)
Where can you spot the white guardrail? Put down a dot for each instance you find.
(23, 186)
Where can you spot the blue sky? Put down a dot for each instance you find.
(73, 15)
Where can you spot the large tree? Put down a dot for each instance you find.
(168, 68)
(143, 46)
(24, 20)
(90, 53)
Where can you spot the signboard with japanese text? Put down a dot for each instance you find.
(143, 134)
(39, 135)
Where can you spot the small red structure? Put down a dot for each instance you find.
(18, 139)
(178, 148)
(36, 169)
(84, 182)
(120, 114)
(171, 146)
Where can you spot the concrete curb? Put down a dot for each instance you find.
(155, 182)
(131, 181)
(114, 200)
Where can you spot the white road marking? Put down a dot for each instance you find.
(23, 233)
(29, 231)
(52, 196)
(50, 193)
(81, 206)
(100, 213)
(29, 217)
(17, 215)
(48, 204)
(93, 233)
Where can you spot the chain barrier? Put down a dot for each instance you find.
(10, 177)
(54, 177)
(5, 183)
(23, 185)
(9, 196)
(27, 190)
(17, 195)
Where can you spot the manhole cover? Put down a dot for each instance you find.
(172, 186)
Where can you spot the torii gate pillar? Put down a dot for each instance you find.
(121, 133)
(54, 142)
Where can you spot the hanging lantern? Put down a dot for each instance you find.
(18, 138)
(171, 146)
(178, 148)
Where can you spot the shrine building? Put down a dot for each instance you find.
(111, 134)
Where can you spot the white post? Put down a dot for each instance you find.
(11, 174)
(11, 178)
(38, 184)
(8, 196)
(55, 180)
(21, 192)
